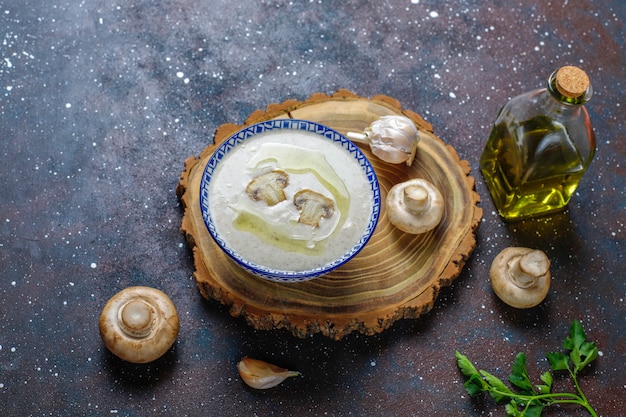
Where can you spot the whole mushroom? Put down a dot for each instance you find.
(520, 276)
(415, 206)
(139, 324)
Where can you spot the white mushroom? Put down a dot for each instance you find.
(392, 138)
(261, 375)
(520, 276)
(313, 206)
(139, 324)
(415, 206)
(268, 187)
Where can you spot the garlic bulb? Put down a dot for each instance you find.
(262, 375)
(392, 138)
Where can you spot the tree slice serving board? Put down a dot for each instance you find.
(397, 275)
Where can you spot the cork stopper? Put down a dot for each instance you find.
(571, 81)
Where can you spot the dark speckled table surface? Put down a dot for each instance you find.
(102, 101)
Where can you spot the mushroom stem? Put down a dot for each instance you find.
(136, 318)
(527, 269)
(416, 198)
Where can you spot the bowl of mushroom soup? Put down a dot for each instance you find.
(289, 200)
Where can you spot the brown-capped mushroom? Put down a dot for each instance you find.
(392, 138)
(269, 187)
(313, 206)
(139, 324)
(520, 276)
(261, 375)
(415, 206)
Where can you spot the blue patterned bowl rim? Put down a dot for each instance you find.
(324, 132)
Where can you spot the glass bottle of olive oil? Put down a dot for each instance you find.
(540, 146)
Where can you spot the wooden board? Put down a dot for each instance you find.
(395, 276)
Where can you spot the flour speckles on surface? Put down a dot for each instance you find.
(102, 105)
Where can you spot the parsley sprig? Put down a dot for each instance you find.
(529, 400)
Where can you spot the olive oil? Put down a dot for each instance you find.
(537, 152)
(276, 234)
(535, 175)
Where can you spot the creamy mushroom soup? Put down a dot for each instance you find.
(273, 234)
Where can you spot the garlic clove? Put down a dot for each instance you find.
(262, 375)
(387, 152)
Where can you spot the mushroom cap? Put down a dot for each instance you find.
(414, 206)
(520, 277)
(139, 324)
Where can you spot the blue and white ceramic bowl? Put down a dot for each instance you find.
(278, 239)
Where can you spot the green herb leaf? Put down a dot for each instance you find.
(475, 385)
(590, 352)
(512, 410)
(466, 366)
(519, 375)
(558, 361)
(574, 342)
(547, 387)
(582, 352)
(531, 399)
(576, 336)
(533, 411)
(547, 378)
(498, 390)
